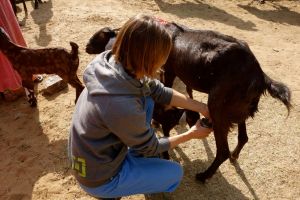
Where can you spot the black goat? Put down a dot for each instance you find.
(225, 69)
(101, 40)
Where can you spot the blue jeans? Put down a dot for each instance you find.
(140, 175)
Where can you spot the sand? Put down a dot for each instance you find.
(33, 141)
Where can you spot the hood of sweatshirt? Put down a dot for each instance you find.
(106, 76)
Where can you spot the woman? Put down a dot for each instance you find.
(10, 81)
(112, 146)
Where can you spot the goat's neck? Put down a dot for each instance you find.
(10, 49)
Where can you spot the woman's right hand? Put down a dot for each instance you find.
(195, 132)
(199, 132)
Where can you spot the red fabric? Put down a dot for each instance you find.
(9, 78)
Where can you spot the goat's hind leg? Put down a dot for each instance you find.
(242, 140)
(221, 126)
(76, 83)
(36, 4)
(25, 7)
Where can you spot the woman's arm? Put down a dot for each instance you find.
(196, 132)
(182, 101)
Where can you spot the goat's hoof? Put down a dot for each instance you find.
(233, 158)
(165, 155)
(32, 103)
(201, 177)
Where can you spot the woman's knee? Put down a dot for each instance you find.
(175, 171)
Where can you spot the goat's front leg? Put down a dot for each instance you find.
(189, 90)
(220, 133)
(25, 7)
(168, 78)
(14, 6)
(166, 131)
(242, 140)
(29, 90)
(191, 116)
(36, 4)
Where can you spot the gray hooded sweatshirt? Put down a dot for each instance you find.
(110, 118)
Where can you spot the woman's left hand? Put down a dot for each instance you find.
(204, 111)
(182, 101)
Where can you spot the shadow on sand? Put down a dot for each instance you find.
(279, 14)
(41, 17)
(206, 12)
(26, 152)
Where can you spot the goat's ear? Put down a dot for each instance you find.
(106, 30)
(109, 32)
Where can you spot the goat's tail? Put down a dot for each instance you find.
(279, 91)
(74, 57)
(74, 51)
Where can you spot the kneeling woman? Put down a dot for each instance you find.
(112, 146)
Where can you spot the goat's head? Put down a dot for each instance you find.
(97, 43)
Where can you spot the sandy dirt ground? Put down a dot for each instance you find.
(33, 141)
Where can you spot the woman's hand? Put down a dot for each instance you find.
(196, 132)
(182, 101)
(199, 132)
(204, 110)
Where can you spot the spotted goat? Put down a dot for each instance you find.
(28, 61)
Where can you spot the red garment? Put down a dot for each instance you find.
(9, 78)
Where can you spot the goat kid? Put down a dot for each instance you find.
(225, 69)
(41, 61)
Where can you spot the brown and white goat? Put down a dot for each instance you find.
(28, 61)
(226, 69)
